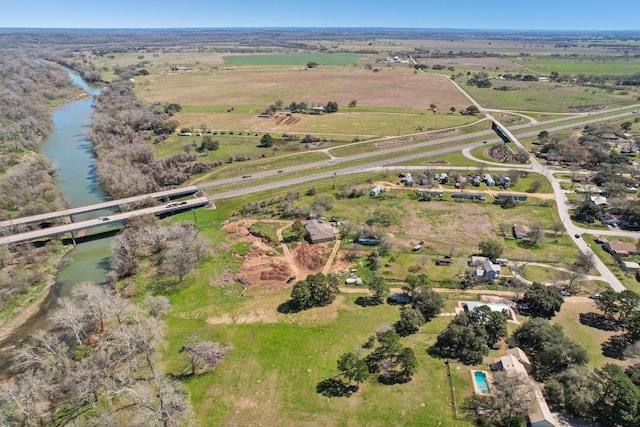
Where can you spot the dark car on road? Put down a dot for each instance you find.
(291, 279)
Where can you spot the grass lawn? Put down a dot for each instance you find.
(588, 337)
(543, 274)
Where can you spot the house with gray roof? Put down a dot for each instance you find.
(319, 233)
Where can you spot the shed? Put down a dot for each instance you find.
(521, 231)
(629, 266)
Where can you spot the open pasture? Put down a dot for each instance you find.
(257, 88)
(546, 96)
(344, 125)
(588, 66)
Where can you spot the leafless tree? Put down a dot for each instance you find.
(203, 354)
(70, 317)
(585, 261)
(44, 352)
(157, 306)
(558, 228)
(537, 234)
(96, 301)
(24, 402)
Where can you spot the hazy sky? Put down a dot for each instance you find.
(473, 14)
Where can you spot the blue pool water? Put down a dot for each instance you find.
(481, 381)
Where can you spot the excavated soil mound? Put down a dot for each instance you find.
(309, 256)
(279, 271)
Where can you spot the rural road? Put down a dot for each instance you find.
(562, 203)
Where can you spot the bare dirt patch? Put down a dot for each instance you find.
(310, 257)
(288, 120)
(263, 267)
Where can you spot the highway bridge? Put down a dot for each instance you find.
(43, 233)
(160, 195)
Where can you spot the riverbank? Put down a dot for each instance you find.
(31, 308)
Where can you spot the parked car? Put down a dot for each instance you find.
(173, 204)
(577, 236)
(565, 293)
(280, 171)
(291, 279)
(103, 218)
(246, 176)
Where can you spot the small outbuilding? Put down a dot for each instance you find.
(521, 231)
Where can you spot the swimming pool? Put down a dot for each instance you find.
(480, 381)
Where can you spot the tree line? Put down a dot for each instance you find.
(121, 128)
(28, 89)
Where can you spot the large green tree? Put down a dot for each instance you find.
(266, 140)
(548, 348)
(490, 248)
(428, 302)
(620, 399)
(352, 368)
(414, 282)
(410, 321)
(317, 290)
(463, 339)
(544, 301)
(494, 322)
(586, 212)
(380, 290)
(576, 390)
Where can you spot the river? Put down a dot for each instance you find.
(71, 152)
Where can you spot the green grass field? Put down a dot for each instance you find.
(547, 97)
(587, 66)
(292, 59)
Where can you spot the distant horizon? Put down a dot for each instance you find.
(543, 15)
(319, 28)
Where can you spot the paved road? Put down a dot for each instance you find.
(111, 219)
(562, 202)
(176, 192)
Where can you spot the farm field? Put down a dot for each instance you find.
(344, 123)
(547, 96)
(292, 59)
(399, 87)
(597, 66)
